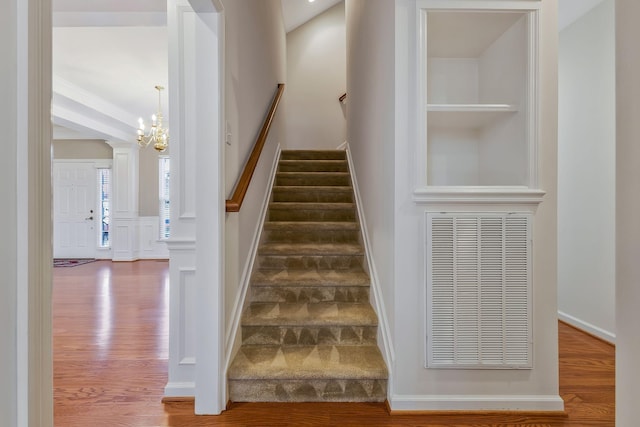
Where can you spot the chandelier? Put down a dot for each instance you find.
(157, 135)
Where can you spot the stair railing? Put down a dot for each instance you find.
(242, 185)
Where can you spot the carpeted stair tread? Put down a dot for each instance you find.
(309, 314)
(313, 166)
(315, 249)
(313, 155)
(310, 278)
(307, 362)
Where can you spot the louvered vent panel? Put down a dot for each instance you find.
(479, 290)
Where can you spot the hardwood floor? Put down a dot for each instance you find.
(110, 345)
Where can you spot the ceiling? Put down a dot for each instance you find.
(109, 54)
(297, 12)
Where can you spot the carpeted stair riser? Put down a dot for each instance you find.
(313, 155)
(313, 166)
(311, 232)
(314, 212)
(354, 390)
(325, 179)
(327, 335)
(310, 278)
(309, 332)
(291, 294)
(302, 262)
(318, 194)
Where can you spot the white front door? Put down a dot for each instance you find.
(75, 210)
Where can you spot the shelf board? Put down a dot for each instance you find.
(466, 115)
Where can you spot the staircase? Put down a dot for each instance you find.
(309, 331)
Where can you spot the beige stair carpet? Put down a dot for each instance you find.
(309, 331)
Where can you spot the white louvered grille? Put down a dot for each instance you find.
(478, 290)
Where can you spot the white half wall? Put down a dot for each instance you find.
(150, 247)
(316, 78)
(586, 172)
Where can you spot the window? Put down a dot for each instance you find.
(163, 187)
(104, 207)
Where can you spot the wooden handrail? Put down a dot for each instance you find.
(235, 203)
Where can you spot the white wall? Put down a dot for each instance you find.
(255, 64)
(81, 149)
(316, 77)
(370, 74)
(627, 208)
(380, 32)
(586, 172)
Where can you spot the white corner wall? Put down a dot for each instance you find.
(316, 77)
(627, 208)
(382, 132)
(586, 172)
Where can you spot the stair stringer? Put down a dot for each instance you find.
(233, 335)
(384, 330)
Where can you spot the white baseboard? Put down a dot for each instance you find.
(183, 389)
(384, 331)
(238, 306)
(605, 335)
(551, 403)
(342, 146)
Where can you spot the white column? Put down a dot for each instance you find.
(182, 243)
(124, 211)
(627, 208)
(196, 332)
(26, 390)
(210, 223)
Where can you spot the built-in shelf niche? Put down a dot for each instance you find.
(477, 106)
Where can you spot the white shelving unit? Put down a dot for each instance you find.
(477, 81)
(467, 115)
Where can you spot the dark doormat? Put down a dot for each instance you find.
(71, 262)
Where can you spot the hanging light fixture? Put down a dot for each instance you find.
(157, 135)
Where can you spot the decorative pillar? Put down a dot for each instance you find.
(196, 331)
(124, 209)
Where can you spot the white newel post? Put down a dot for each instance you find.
(196, 331)
(124, 215)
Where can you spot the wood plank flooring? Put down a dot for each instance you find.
(110, 344)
